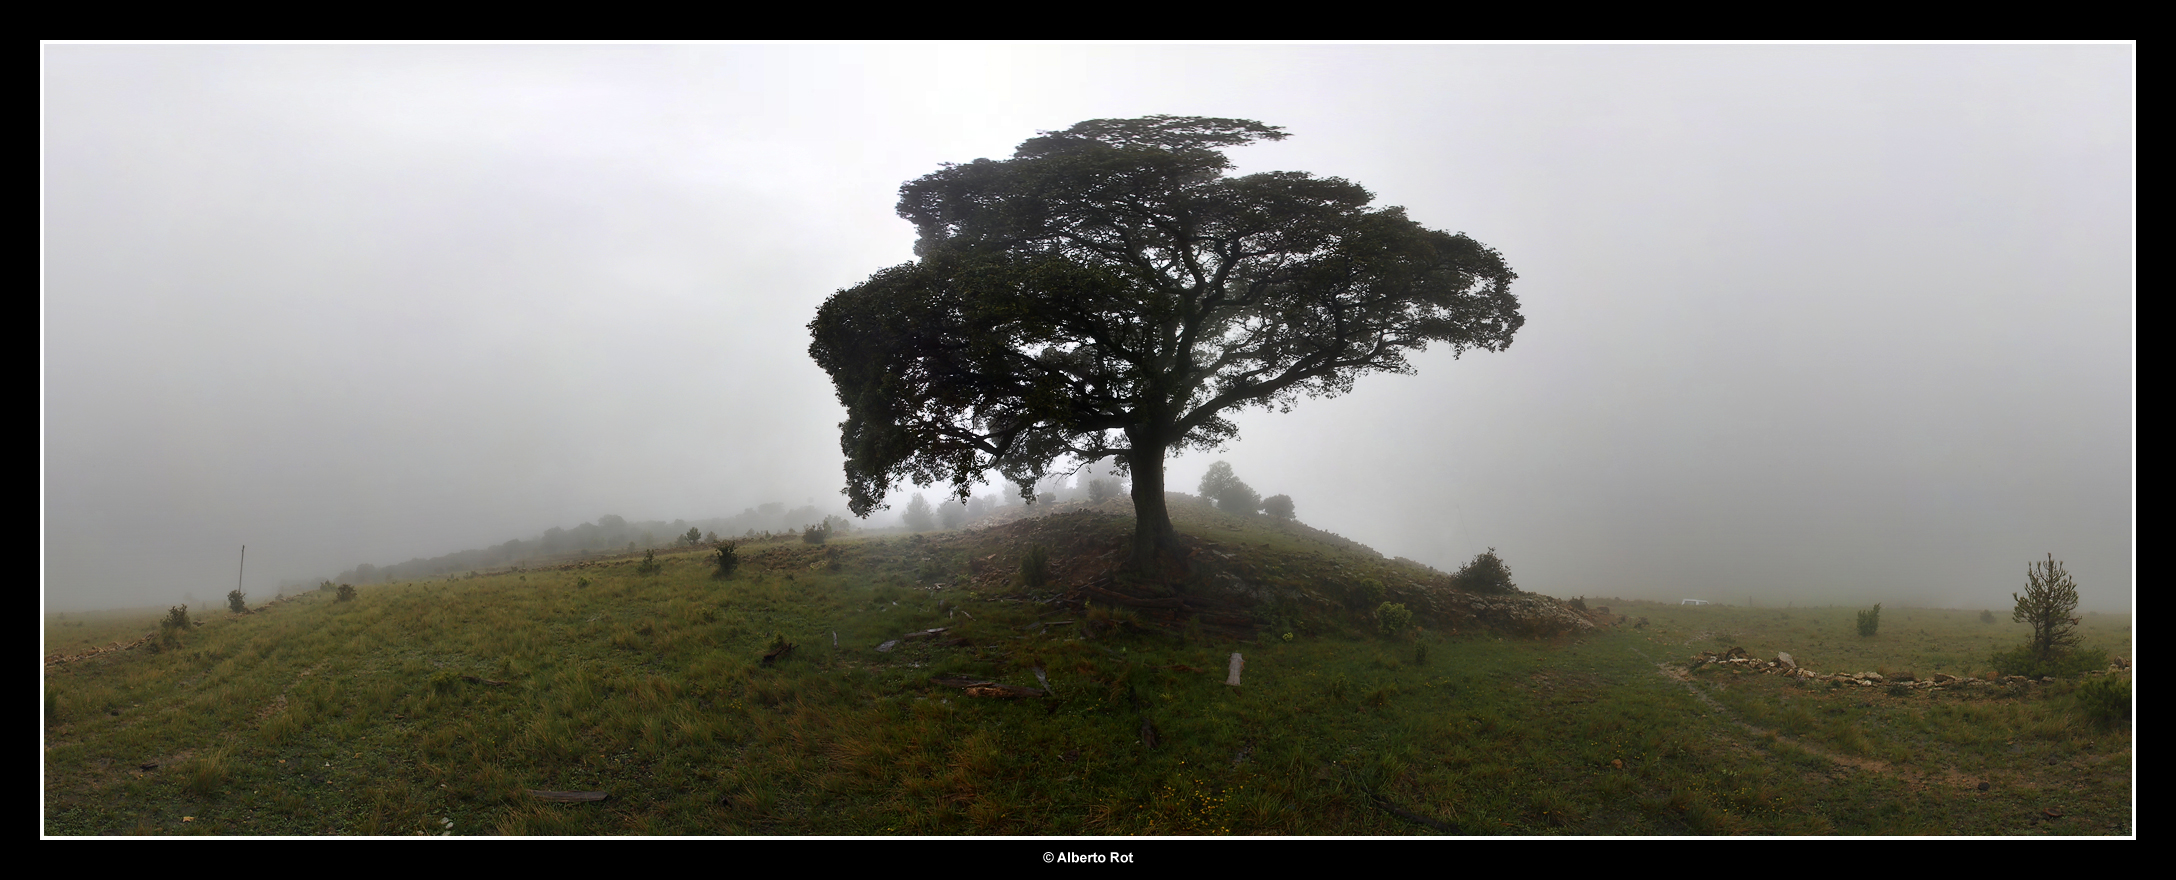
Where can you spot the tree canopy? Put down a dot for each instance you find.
(1110, 293)
(2048, 603)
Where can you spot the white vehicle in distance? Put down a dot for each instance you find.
(1693, 602)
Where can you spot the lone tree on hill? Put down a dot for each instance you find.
(1231, 494)
(1109, 293)
(2050, 604)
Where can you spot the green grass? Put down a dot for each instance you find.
(424, 704)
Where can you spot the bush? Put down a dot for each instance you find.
(2023, 660)
(727, 560)
(1279, 506)
(325, 587)
(236, 603)
(1101, 490)
(1035, 566)
(1394, 618)
(1580, 604)
(649, 563)
(1487, 573)
(1870, 621)
(173, 625)
(346, 593)
(1987, 617)
(2106, 701)
(816, 534)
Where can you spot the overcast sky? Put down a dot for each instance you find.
(1804, 323)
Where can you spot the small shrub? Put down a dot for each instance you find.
(1579, 604)
(325, 587)
(1035, 566)
(1394, 618)
(726, 561)
(235, 602)
(1870, 621)
(816, 534)
(649, 563)
(581, 583)
(2106, 701)
(175, 623)
(1987, 617)
(346, 593)
(1420, 655)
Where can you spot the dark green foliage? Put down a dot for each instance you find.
(1231, 494)
(1870, 621)
(1035, 566)
(649, 564)
(1486, 574)
(1101, 490)
(1108, 292)
(2048, 605)
(346, 593)
(726, 561)
(1394, 618)
(1279, 506)
(1579, 604)
(1987, 617)
(325, 586)
(693, 537)
(816, 534)
(235, 602)
(2106, 701)
(2023, 660)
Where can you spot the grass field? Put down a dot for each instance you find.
(436, 708)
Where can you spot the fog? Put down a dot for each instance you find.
(1805, 324)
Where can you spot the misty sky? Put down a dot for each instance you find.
(1804, 323)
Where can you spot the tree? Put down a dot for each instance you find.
(236, 602)
(1279, 506)
(919, 517)
(1230, 493)
(1487, 573)
(1870, 621)
(2049, 604)
(1109, 293)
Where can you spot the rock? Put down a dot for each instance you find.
(887, 647)
(1238, 663)
(1784, 657)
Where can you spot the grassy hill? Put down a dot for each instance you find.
(929, 689)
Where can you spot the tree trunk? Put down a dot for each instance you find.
(1153, 535)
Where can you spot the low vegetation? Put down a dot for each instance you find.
(919, 685)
